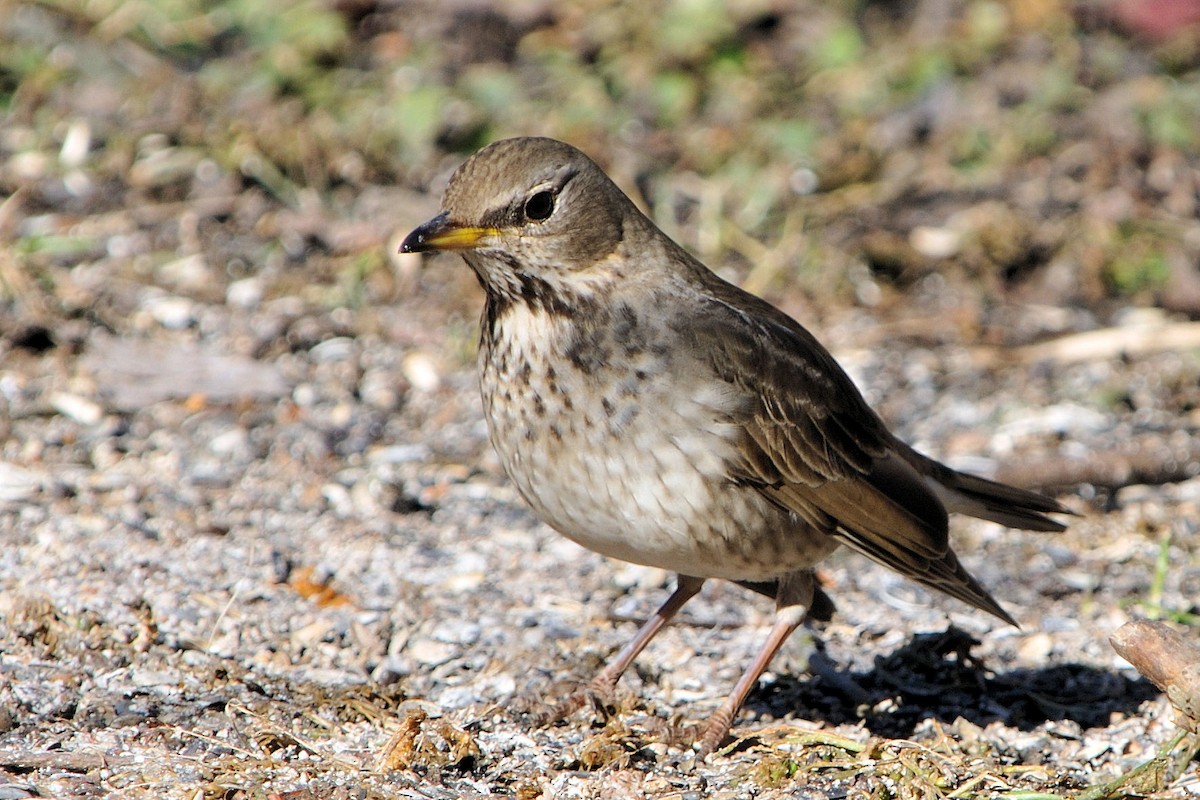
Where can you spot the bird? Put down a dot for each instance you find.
(655, 413)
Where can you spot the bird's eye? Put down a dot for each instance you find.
(539, 206)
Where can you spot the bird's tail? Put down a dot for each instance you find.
(993, 501)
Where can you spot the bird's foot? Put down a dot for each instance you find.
(715, 732)
(599, 694)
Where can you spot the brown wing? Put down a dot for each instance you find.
(813, 445)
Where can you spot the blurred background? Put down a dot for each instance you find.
(850, 153)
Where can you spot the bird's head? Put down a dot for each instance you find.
(528, 209)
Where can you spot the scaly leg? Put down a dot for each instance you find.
(794, 597)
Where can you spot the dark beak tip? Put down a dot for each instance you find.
(413, 243)
(418, 240)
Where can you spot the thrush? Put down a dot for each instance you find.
(655, 413)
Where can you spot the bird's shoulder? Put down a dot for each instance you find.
(806, 420)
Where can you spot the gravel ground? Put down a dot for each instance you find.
(294, 569)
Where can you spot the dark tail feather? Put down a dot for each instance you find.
(997, 502)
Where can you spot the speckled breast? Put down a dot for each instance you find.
(622, 446)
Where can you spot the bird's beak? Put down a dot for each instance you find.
(441, 233)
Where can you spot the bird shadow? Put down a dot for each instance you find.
(935, 676)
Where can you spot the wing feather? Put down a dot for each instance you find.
(812, 445)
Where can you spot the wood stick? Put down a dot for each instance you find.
(1168, 659)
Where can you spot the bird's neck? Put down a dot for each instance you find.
(535, 315)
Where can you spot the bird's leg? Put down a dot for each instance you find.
(605, 682)
(794, 596)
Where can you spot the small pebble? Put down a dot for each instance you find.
(935, 242)
(16, 483)
(421, 372)
(429, 652)
(190, 272)
(458, 697)
(233, 442)
(1035, 649)
(399, 454)
(246, 293)
(173, 313)
(76, 408)
(339, 348)
(457, 632)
